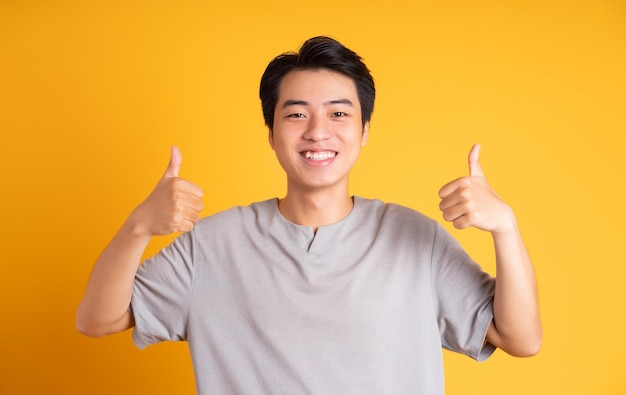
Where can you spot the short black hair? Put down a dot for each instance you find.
(319, 52)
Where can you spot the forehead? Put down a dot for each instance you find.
(317, 84)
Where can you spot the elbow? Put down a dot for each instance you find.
(527, 348)
(93, 326)
(534, 347)
(95, 330)
(527, 351)
(533, 343)
(87, 328)
(521, 343)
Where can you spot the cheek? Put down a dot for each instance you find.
(281, 150)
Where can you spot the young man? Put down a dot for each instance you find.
(318, 292)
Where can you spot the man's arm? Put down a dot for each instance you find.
(470, 201)
(173, 206)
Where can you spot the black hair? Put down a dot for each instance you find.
(317, 53)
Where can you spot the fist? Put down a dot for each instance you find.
(173, 206)
(470, 201)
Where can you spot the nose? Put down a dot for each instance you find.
(318, 129)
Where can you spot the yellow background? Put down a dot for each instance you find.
(93, 93)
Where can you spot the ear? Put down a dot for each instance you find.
(366, 133)
(270, 137)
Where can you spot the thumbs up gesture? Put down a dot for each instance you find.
(470, 201)
(173, 206)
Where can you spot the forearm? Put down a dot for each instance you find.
(517, 325)
(104, 307)
(174, 205)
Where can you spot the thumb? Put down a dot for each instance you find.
(475, 169)
(174, 166)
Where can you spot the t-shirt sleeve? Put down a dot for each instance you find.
(463, 298)
(161, 293)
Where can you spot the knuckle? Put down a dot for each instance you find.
(178, 195)
(465, 181)
(465, 193)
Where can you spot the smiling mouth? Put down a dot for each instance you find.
(323, 155)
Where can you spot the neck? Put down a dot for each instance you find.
(315, 209)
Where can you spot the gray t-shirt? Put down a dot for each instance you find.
(363, 306)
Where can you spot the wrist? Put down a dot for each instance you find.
(135, 227)
(508, 226)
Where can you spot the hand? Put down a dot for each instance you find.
(470, 201)
(173, 206)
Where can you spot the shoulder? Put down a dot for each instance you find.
(393, 211)
(396, 218)
(238, 216)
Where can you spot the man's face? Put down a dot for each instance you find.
(317, 134)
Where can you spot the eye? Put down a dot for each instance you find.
(296, 115)
(339, 114)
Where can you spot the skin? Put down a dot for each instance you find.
(317, 137)
(470, 201)
(318, 112)
(174, 205)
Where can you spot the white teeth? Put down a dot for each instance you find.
(319, 155)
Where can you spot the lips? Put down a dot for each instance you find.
(318, 155)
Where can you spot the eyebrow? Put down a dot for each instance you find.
(293, 102)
